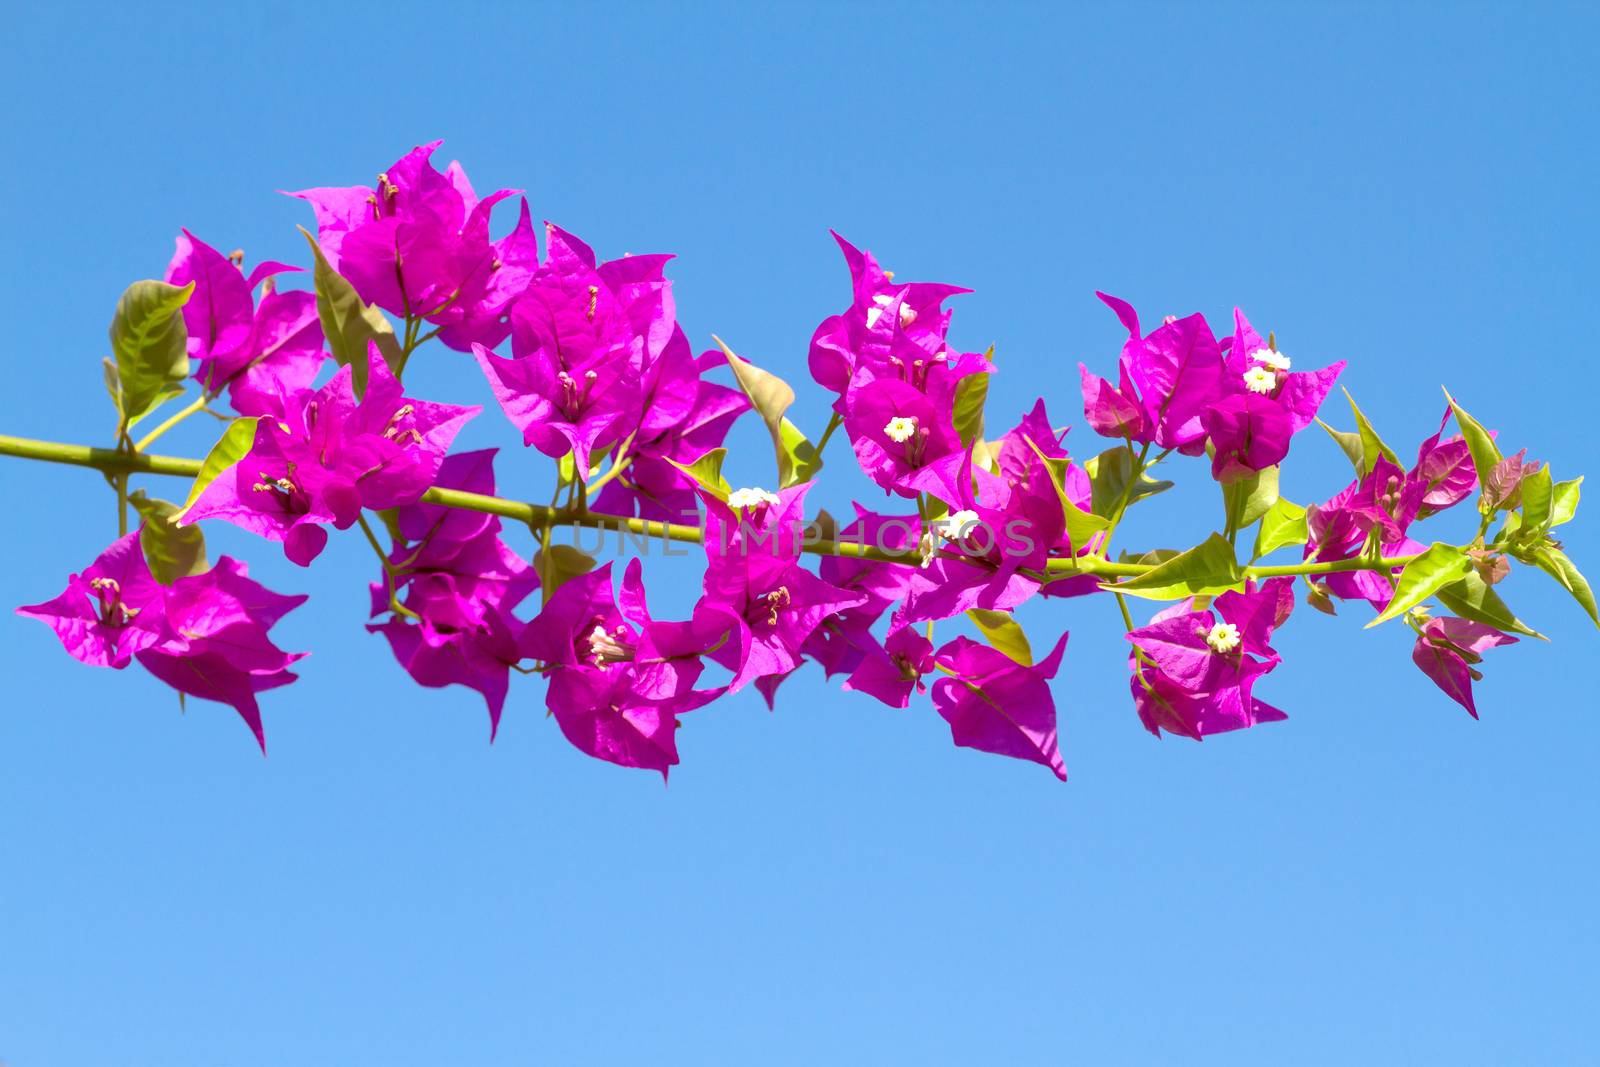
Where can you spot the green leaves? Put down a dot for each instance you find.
(347, 322)
(1538, 495)
(1555, 563)
(771, 396)
(1081, 525)
(1109, 474)
(1564, 500)
(707, 471)
(1349, 444)
(172, 551)
(230, 448)
(1485, 453)
(1208, 568)
(1440, 566)
(559, 564)
(971, 394)
(1004, 633)
(1475, 599)
(1372, 445)
(1364, 446)
(1283, 524)
(1248, 499)
(149, 342)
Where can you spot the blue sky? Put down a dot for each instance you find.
(1380, 879)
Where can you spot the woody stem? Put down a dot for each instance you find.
(542, 515)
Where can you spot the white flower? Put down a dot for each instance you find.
(957, 523)
(751, 498)
(1271, 357)
(901, 428)
(1260, 380)
(1224, 637)
(883, 302)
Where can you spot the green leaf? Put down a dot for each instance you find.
(559, 564)
(1248, 499)
(1372, 445)
(108, 367)
(771, 396)
(1564, 501)
(1475, 599)
(802, 457)
(230, 448)
(707, 471)
(1004, 633)
(1555, 563)
(172, 551)
(390, 517)
(149, 343)
(1440, 566)
(970, 396)
(1538, 494)
(1150, 556)
(1485, 453)
(1349, 444)
(1284, 524)
(1081, 525)
(1109, 473)
(1206, 569)
(347, 322)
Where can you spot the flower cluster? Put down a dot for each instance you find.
(331, 455)
(260, 352)
(205, 635)
(1183, 388)
(586, 358)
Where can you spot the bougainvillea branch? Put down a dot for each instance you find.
(539, 516)
(587, 361)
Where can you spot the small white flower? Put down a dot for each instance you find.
(957, 523)
(751, 498)
(1271, 357)
(1224, 637)
(901, 428)
(1260, 380)
(884, 302)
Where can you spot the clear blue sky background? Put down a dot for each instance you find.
(1380, 879)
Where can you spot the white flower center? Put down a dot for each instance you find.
(1224, 637)
(884, 302)
(1271, 357)
(604, 648)
(1260, 380)
(751, 498)
(957, 523)
(901, 428)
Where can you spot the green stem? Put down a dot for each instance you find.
(388, 572)
(542, 515)
(122, 505)
(105, 459)
(834, 422)
(617, 467)
(619, 463)
(1127, 495)
(154, 435)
